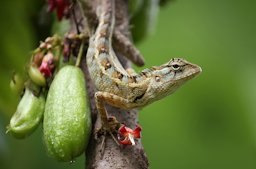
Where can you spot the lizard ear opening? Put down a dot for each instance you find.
(157, 78)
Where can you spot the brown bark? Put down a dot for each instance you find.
(114, 156)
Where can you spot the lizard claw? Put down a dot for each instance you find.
(110, 128)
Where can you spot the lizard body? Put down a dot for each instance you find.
(123, 88)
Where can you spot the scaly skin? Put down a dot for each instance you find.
(124, 88)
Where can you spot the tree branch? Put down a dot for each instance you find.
(114, 156)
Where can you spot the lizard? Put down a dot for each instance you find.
(122, 88)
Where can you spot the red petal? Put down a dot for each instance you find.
(51, 5)
(61, 7)
(45, 69)
(60, 12)
(125, 141)
(122, 130)
(137, 131)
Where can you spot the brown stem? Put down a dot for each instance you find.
(114, 156)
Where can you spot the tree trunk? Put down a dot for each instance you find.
(114, 156)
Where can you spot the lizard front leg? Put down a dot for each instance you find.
(109, 124)
(111, 99)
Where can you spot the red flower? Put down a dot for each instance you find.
(47, 65)
(45, 69)
(127, 135)
(62, 7)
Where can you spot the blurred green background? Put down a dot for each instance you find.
(209, 123)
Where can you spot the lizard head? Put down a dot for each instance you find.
(168, 77)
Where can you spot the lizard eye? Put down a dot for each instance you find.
(175, 67)
(158, 79)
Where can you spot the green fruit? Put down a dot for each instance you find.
(17, 83)
(28, 115)
(67, 122)
(36, 76)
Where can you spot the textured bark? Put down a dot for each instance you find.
(114, 156)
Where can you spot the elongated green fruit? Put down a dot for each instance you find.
(28, 115)
(67, 122)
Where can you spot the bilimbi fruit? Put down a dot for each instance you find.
(28, 115)
(67, 122)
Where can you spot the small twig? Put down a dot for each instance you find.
(81, 49)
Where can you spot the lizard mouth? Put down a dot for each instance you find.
(194, 73)
(187, 76)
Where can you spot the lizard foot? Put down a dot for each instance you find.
(110, 128)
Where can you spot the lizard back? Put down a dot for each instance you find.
(105, 69)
